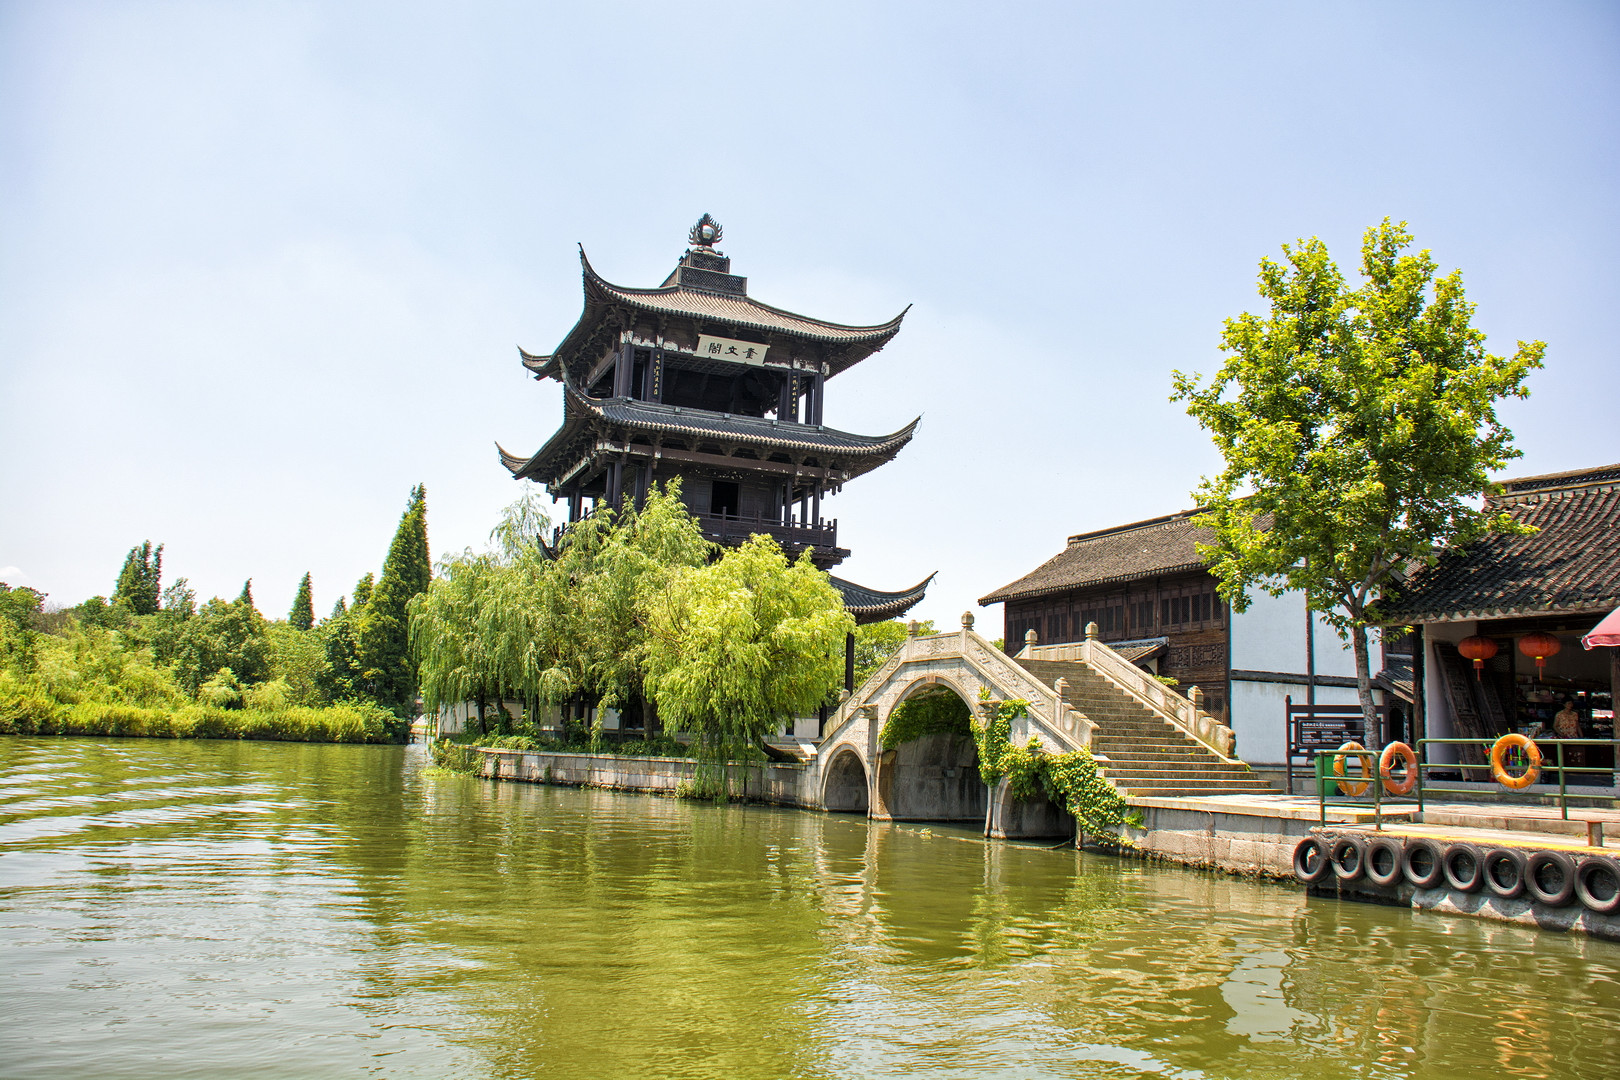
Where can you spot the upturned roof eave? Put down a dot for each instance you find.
(834, 332)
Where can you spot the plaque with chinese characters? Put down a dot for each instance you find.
(736, 352)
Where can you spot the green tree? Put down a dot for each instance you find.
(384, 626)
(246, 596)
(1362, 423)
(876, 642)
(302, 615)
(741, 645)
(140, 579)
(19, 615)
(221, 636)
(362, 590)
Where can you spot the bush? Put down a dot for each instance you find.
(27, 711)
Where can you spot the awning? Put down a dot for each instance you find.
(1606, 632)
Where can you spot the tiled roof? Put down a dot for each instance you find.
(1397, 677)
(1140, 649)
(1164, 545)
(1571, 563)
(856, 454)
(869, 605)
(738, 310)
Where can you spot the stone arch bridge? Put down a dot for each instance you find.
(1147, 738)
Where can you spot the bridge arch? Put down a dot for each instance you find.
(927, 763)
(846, 787)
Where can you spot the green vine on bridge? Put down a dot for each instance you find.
(1072, 780)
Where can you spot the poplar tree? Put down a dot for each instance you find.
(384, 625)
(139, 582)
(1358, 426)
(302, 615)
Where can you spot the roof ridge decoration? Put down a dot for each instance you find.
(706, 233)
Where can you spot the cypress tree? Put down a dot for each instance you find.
(302, 615)
(246, 599)
(339, 609)
(362, 591)
(384, 637)
(140, 580)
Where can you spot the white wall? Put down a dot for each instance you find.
(1270, 636)
(1258, 720)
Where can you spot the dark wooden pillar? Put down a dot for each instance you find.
(818, 389)
(815, 506)
(849, 662)
(655, 375)
(784, 398)
(615, 484)
(643, 481)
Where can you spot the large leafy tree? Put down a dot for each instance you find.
(140, 580)
(1358, 426)
(302, 615)
(384, 626)
(741, 645)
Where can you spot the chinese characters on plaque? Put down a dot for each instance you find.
(736, 352)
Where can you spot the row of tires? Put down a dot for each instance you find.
(1553, 878)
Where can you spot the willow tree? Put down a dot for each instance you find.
(455, 663)
(1358, 426)
(739, 646)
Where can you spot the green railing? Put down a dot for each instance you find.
(1328, 782)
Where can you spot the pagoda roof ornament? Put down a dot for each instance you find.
(706, 233)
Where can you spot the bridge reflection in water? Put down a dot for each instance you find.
(326, 911)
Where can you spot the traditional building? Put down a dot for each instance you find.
(696, 379)
(1153, 600)
(1507, 595)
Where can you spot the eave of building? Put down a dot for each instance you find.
(841, 346)
(589, 422)
(1002, 596)
(870, 605)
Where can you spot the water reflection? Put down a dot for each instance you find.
(201, 908)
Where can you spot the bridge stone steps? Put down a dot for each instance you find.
(1145, 753)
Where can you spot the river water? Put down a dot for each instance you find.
(248, 910)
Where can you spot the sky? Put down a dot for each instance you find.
(264, 267)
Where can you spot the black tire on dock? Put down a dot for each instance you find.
(1383, 861)
(1421, 863)
(1349, 857)
(1597, 883)
(1549, 877)
(1504, 872)
(1464, 867)
(1311, 860)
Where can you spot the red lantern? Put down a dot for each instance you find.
(1478, 649)
(1538, 646)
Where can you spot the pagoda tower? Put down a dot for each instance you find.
(696, 379)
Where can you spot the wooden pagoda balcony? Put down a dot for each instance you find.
(735, 528)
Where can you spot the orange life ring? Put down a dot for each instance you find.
(1386, 761)
(1354, 787)
(1514, 741)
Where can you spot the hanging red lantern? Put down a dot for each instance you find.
(1538, 646)
(1478, 649)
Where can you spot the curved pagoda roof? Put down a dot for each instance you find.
(701, 296)
(870, 606)
(624, 421)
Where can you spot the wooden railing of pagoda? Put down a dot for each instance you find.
(1184, 713)
(726, 527)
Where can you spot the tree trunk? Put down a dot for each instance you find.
(1369, 714)
(482, 703)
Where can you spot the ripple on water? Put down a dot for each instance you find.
(265, 910)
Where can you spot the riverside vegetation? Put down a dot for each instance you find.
(151, 662)
(633, 611)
